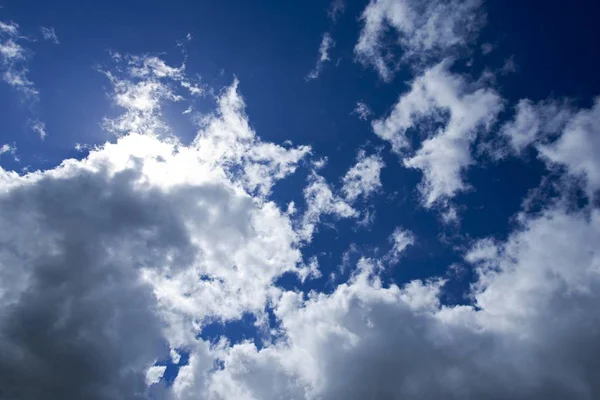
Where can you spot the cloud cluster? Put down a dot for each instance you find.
(437, 98)
(13, 59)
(123, 258)
(532, 334)
(424, 30)
(133, 249)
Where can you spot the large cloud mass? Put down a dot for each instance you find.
(111, 264)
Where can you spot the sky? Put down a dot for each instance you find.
(382, 199)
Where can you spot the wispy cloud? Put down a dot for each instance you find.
(327, 43)
(13, 59)
(49, 34)
(362, 110)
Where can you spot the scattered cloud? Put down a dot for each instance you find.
(320, 201)
(440, 97)
(509, 67)
(40, 128)
(13, 59)
(326, 44)
(9, 149)
(487, 48)
(362, 110)
(425, 30)
(49, 34)
(400, 239)
(336, 9)
(363, 179)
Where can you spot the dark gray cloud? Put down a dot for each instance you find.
(78, 322)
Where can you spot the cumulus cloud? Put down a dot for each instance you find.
(578, 146)
(320, 201)
(424, 30)
(533, 121)
(137, 246)
(462, 108)
(563, 136)
(327, 43)
(363, 179)
(532, 335)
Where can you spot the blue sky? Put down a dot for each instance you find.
(356, 199)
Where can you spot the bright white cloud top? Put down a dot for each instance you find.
(122, 258)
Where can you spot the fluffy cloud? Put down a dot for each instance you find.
(425, 30)
(134, 248)
(578, 146)
(363, 178)
(533, 334)
(533, 121)
(439, 97)
(321, 200)
(400, 240)
(563, 136)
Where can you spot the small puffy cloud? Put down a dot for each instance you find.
(154, 374)
(7, 148)
(400, 239)
(49, 34)
(425, 30)
(363, 179)
(327, 43)
(321, 200)
(436, 97)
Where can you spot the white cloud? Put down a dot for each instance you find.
(326, 44)
(363, 179)
(40, 128)
(362, 110)
(13, 58)
(139, 244)
(537, 321)
(400, 239)
(7, 148)
(49, 34)
(562, 135)
(321, 200)
(463, 108)
(425, 30)
(578, 146)
(533, 121)
(154, 374)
